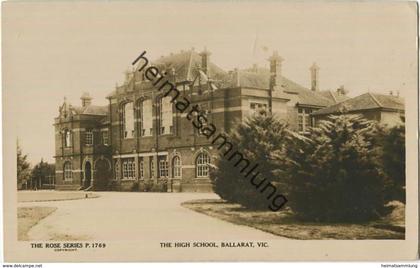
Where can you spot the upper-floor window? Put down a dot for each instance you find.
(89, 137)
(304, 119)
(139, 116)
(67, 138)
(165, 115)
(129, 172)
(205, 112)
(68, 172)
(147, 118)
(257, 107)
(127, 118)
(105, 137)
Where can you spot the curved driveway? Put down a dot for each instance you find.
(127, 216)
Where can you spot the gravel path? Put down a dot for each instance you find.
(126, 216)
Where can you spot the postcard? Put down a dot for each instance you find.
(172, 131)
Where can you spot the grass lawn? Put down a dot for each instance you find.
(29, 217)
(283, 224)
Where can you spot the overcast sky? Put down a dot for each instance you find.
(52, 50)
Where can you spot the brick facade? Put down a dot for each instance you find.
(130, 161)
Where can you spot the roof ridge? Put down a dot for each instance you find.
(375, 99)
(332, 95)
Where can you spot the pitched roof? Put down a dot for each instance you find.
(91, 110)
(186, 65)
(365, 101)
(260, 78)
(334, 96)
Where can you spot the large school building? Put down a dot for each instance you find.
(140, 140)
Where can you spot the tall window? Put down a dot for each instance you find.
(117, 169)
(165, 115)
(304, 119)
(127, 117)
(202, 167)
(163, 167)
(89, 137)
(204, 111)
(176, 167)
(67, 138)
(68, 172)
(129, 172)
(139, 116)
(147, 122)
(141, 168)
(105, 137)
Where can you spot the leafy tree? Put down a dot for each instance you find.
(335, 173)
(261, 140)
(23, 167)
(393, 160)
(41, 173)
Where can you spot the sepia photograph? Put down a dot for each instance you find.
(210, 131)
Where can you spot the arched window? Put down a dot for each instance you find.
(67, 138)
(68, 172)
(117, 169)
(127, 118)
(176, 167)
(201, 164)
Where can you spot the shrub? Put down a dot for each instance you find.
(148, 185)
(135, 187)
(260, 139)
(335, 173)
(393, 160)
(151, 186)
(160, 186)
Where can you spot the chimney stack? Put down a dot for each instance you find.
(237, 77)
(128, 75)
(275, 70)
(205, 61)
(314, 77)
(86, 99)
(341, 90)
